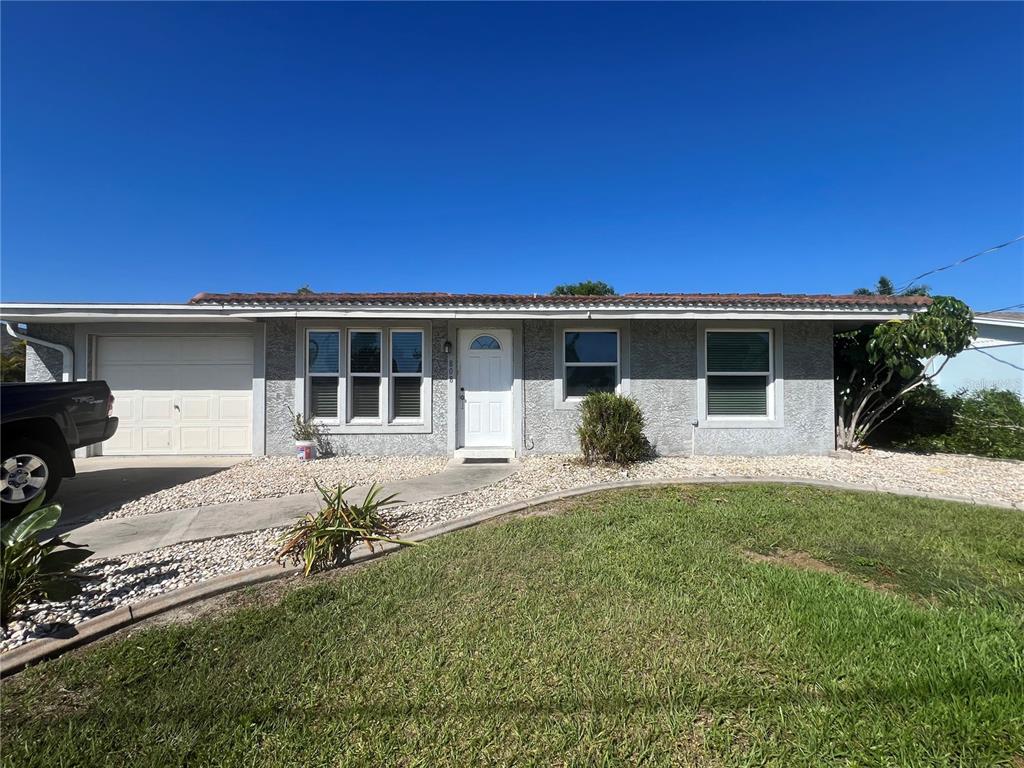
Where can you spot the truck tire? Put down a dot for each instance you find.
(29, 468)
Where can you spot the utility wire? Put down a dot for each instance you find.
(913, 280)
(1001, 309)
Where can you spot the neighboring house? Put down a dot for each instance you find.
(995, 358)
(469, 375)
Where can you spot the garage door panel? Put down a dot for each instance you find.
(234, 439)
(133, 350)
(197, 440)
(179, 394)
(158, 407)
(158, 440)
(235, 408)
(205, 376)
(197, 408)
(221, 350)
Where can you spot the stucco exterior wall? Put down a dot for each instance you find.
(280, 377)
(808, 401)
(281, 355)
(43, 364)
(662, 376)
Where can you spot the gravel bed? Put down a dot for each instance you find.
(268, 477)
(128, 579)
(949, 475)
(125, 580)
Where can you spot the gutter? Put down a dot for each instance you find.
(68, 357)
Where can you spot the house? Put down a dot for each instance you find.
(463, 375)
(995, 359)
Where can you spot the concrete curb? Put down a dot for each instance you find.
(92, 629)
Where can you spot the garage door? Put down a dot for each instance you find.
(178, 394)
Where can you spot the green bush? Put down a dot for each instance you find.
(612, 429)
(988, 422)
(325, 538)
(30, 568)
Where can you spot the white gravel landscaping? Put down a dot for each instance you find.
(268, 477)
(129, 579)
(126, 580)
(944, 474)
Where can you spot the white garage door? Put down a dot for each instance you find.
(178, 394)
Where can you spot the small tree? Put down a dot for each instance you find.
(586, 288)
(877, 365)
(885, 287)
(304, 290)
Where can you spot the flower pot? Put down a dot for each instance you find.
(305, 450)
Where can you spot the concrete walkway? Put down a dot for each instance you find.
(123, 536)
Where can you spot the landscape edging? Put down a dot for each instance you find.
(93, 629)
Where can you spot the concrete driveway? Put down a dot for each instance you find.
(106, 482)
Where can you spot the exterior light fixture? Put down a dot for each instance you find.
(447, 347)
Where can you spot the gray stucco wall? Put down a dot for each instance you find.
(808, 401)
(663, 379)
(281, 353)
(42, 363)
(280, 396)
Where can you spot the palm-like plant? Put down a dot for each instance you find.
(326, 538)
(31, 568)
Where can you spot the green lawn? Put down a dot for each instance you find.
(625, 628)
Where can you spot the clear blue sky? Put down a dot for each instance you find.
(151, 151)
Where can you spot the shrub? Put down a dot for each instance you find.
(31, 569)
(325, 538)
(988, 422)
(612, 429)
(305, 428)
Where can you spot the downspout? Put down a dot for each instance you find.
(68, 357)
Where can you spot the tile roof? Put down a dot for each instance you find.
(505, 300)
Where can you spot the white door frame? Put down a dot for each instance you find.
(455, 403)
(465, 338)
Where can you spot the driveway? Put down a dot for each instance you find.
(106, 482)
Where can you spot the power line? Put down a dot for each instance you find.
(913, 280)
(1001, 309)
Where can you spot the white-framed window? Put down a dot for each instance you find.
(739, 370)
(590, 361)
(323, 373)
(406, 375)
(365, 375)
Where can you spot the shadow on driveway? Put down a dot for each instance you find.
(102, 485)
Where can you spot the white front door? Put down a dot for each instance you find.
(485, 388)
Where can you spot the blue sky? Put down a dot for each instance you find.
(151, 151)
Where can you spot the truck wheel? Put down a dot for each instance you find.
(29, 469)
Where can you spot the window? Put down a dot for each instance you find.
(591, 362)
(739, 373)
(323, 359)
(406, 375)
(364, 375)
(485, 342)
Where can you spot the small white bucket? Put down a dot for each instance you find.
(305, 450)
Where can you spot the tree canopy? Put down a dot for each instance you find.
(885, 287)
(877, 365)
(585, 288)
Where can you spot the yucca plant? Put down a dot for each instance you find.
(326, 538)
(30, 568)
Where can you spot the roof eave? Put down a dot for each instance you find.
(77, 313)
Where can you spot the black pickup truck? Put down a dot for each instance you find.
(42, 426)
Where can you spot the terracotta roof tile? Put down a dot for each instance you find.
(541, 300)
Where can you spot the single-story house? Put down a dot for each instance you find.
(472, 376)
(995, 359)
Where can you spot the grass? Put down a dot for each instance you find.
(621, 629)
